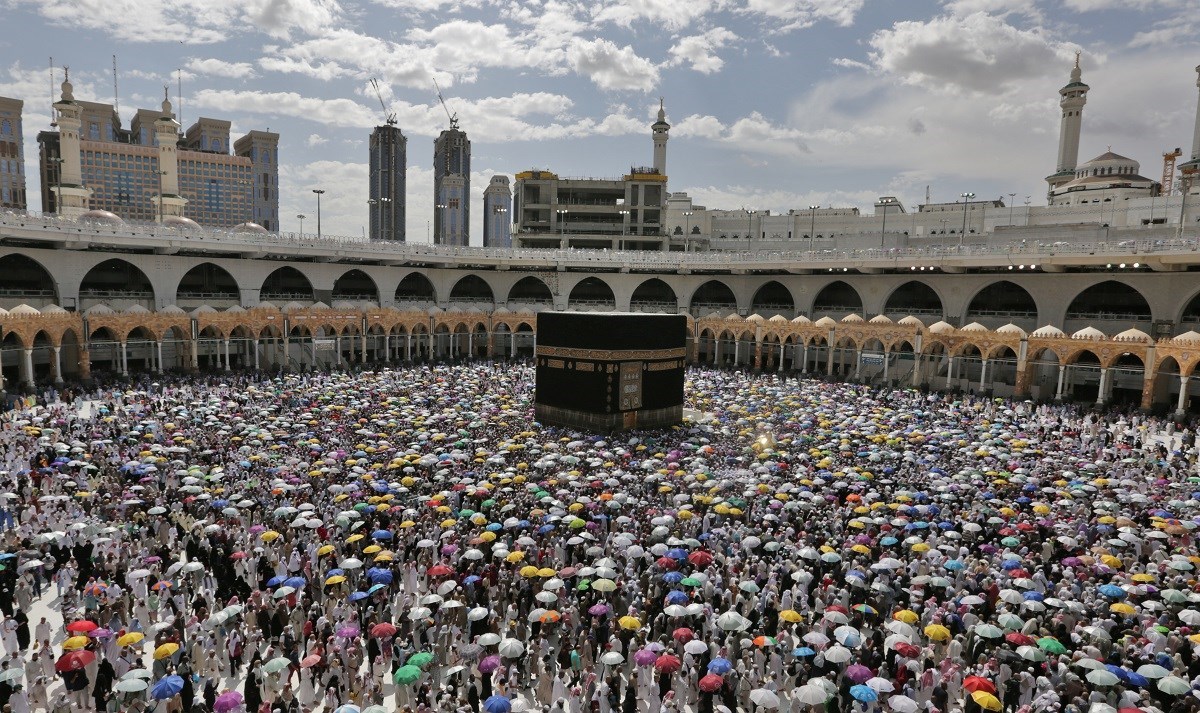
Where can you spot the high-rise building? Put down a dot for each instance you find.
(12, 155)
(497, 214)
(452, 212)
(262, 148)
(1073, 98)
(97, 164)
(389, 172)
(1191, 168)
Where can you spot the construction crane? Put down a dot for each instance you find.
(389, 118)
(1168, 177)
(452, 117)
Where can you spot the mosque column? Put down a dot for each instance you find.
(194, 348)
(1100, 392)
(124, 359)
(983, 374)
(364, 347)
(27, 367)
(1022, 386)
(916, 377)
(829, 359)
(226, 355)
(256, 355)
(85, 366)
(387, 346)
(57, 363)
(716, 349)
(758, 361)
(857, 362)
(158, 355)
(949, 370)
(804, 365)
(886, 353)
(491, 345)
(471, 345)
(407, 347)
(1062, 377)
(782, 347)
(1181, 403)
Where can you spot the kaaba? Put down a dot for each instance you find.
(610, 371)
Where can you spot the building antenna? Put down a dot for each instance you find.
(53, 118)
(116, 93)
(452, 117)
(927, 194)
(179, 97)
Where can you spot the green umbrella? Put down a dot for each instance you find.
(584, 585)
(690, 582)
(1010, 542)
(276, 665)
(1051, 645)
(406, 675)
(420, 659)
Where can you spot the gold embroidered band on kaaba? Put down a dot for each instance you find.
(610, 354)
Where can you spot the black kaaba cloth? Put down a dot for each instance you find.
(610, 371)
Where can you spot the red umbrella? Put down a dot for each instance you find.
(74, 660)
(977, 683)
(668, 663)
(700, 558)
(683, 635)
(1016, 638)
(666, 563)
(440, 570)
(82, 626)
(383, 630)
(310, 661)
(238, 556)
(907, 650)
(711, 683)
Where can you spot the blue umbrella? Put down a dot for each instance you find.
(720, 666)
(494, 526)
(358, 596)
(866, 694)
(168, 687)
(381, 535)
(335, 573)
(676, 597)
(379, 576)
(275, 581)
(954, 565)
(546, 528)
(497, 704)
(673, 577)
(1033, 596)
(1111, 591)
(803, 651)
(472, 579)
(297, 582)
(677, 553)
(376, 587)
(1134, 678)
(888, 541)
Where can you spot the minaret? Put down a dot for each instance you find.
(1190, 169)
(661, 131)
(166, 137)
(1074, 96)
(72, 196)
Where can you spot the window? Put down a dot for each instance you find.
(5, 127)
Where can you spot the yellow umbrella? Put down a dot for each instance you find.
(546, 572)
(354, 538)
(336, 579)
(384, 557)
(1122, 608)
(986, 701)
(487, 536)
(372, 549)
(1143, 577)
(528, 571)
(131, 638)
(920, 547)
(515, 556)
(791, 616)
(407, 524)
(863, 549)
(908, 616)
(269, 536)
(937, 632)
(324, 550)
(165, 651)
(75, 642)
(629, 622)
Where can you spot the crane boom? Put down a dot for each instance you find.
(452, 117)
(389, 118)
(1168, 176)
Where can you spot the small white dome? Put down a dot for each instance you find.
(880, 319)
(974, 327)
(203, 309)
(320, 305)
(171, 309)
(98, 309)
(1048, 332)
(1010, 328)
(235, 309)
(713, 315)
(826, 322)
(1089, 333)
(1133, 335)
(23, 310)
(292, 307)
(1188, 336)
(501, 310)
(755, 318)
(179, 221)
(344, 304)
(136, 309)
(733, 317)
(801, 320)
(911, 321)
(852, 318)
(778, 319)
(249, 228)
(101, 216)
(53, 309)
(265, 304)
(941, 327)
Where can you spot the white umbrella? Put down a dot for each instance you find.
(1104, 677)
(489, 639)
(511, 648)
(612, 658)
(1191, 617)
(1153, 670)
(1173, 685)
(477, 614)
(351, 563)
(695, 647)
(902, 704)
(880, 685)
(765, 698)
(838, 654)
(810, 694)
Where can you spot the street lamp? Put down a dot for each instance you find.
(886, 202)
(440, 209)
(496, 222)
(1012, 202)
(320, 192)
(301, 216)
(966, 199)
(812, 229)
(749, 224)
(687, 217)
(562, 220)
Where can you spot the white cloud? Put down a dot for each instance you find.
(798, 14)
(996, 7)
(699, 51)
(612, 67)
(978, 52)
(221, 68)
(315, 140)
(333, 112)
(673, 15)
(1093, 5)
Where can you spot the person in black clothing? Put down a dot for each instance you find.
(102, 690)
(22, 630)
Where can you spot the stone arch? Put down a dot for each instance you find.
(772, 298)
(592, 292)
(287, 284)
(654, 295)
(1001, 302)
(472, 288)
(530, 290)
(26, 281)
(1111, 300)
(207, 284)
(416, 288)
(712, 296)
(357, 287)
(1127, 371)
(916, 298)
(117, 283)
(837, 298)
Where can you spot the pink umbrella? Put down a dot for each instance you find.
(489, 664)
(858, 673)
(227, 701)
(644, 657)
(598, 609)
(348, 632)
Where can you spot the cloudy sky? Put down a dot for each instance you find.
(775, 104)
